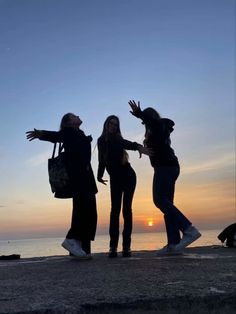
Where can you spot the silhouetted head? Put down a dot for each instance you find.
(111, 131)
(70, 120)
(152, 113)
(111, 126)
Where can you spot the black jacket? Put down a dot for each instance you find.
(111, 153)
(159, 140)
(77, 148)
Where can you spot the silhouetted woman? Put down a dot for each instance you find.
(166, 171)
(113, 157)
(77, 147)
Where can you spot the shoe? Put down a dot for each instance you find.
(112, 253)
(169, 250)
(190, 235)
(88, 256)
(126, 252)
(74, 247)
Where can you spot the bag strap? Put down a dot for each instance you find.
(54, 150)
(60, 148)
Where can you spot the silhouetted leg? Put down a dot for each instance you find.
(84, 218)
(163, 195)
(116, 195)
(129, 185)
(86, 246)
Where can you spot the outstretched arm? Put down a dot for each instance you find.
(135, 146)
(148, 120)
(145, 151)
(43, 135)
(32, 135)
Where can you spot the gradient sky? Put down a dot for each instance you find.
(90, 58)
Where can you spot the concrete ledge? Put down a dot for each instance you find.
(200, 281)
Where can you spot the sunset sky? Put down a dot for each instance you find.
(90, 58)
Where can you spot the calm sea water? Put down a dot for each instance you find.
(52, 246)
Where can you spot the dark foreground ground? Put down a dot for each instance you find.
(203, 280)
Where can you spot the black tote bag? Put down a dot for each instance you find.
(58, 176)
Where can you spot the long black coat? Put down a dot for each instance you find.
(77, 148)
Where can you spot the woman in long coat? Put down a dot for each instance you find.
(77, 147)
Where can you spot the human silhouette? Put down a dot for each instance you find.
(77, 147)
(113, 157)
(166, 171)
(228, 235)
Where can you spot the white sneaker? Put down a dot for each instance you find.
(74, 247)
(190, 235)
(169, 250)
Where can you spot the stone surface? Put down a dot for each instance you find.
(202, 280)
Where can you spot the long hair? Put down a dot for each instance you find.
(151, 113)
(117, 136)
(105, 134)
(65, 120)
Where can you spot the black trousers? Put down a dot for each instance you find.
(84, 220)
(163, 197)
(122, 186)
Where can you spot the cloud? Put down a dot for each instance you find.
(1, 206)
(20, 202)
(39, 159)
(213, 164)
(5, 48)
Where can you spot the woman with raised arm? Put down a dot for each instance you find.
(77, 147)
(166, 171)
(113, 157)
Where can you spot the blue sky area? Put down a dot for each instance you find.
(90, 58)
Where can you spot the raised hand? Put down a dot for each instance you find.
(135, 107)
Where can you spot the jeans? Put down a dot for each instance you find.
(163, 197)
(122, 185)
(84, 220)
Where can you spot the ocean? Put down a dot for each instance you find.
(140, 241)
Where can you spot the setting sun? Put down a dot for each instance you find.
(150, 223)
